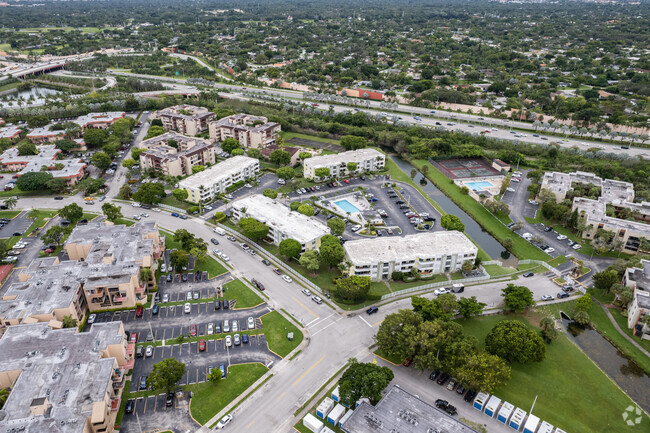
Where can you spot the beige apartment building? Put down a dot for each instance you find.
(103, 273)
(250, 131)
(184, 119)
(179, 158)
(63, 381)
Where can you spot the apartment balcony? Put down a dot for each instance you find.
(115, 404)
(130, 349)
(140, 289)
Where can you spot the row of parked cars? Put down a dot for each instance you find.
(445, 379)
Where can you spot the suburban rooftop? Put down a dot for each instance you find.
(611, 190)
(46, 157)
(278, 216)
(422, 245)
(62, 367)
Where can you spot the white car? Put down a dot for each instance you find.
(561, 237)
(224, 257)
(287, 279)
(515, 179)
(440, 291)
(510, 189)
(188, 308)
(210, 330)
(549, 250)
(91, 318)
(149, 352)
(577, 246)
(228, 341)
(208, 207)
(306, 292)
(251, 323)
(224, 421)
(356, 228)
(163, 268)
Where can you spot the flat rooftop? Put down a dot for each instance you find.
(343, 157)
(10, 131)
(419, 245)
(46, 157)
(640, 276)
(187, 146)
(218, 172)
(401, 412)
(279, 217)
(64, 367)
(596, 211)
(611, 190)
(95, 118)
(244, 122)
(194, 112)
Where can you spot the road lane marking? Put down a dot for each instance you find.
(308, 370)
(325, 327)
(364, 321)
(281, 395)
(305, 307)
(315, 320)
(251, 423)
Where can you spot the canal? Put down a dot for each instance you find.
(472, 229)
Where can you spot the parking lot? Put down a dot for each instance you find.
(150, 413)
(19, 224)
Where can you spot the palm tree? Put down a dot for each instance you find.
(4, 395)
(10, 202)
(145, 275)
(69, 321)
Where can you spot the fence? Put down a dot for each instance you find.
(524, 262)
(261, 251)
(433, 285)
(172, 208)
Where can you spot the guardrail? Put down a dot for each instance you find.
(261, 251)
(524, 262)
(432, 285)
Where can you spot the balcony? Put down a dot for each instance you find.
(115, 404)
(140, 289)
(130, 349)
(120, 298)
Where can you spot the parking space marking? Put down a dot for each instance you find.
(308, 370)
(304, 306)
(378, 323)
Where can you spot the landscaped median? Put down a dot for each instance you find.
(246, 297)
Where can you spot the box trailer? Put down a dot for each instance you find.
(324, 407)
(458, 288)
(492, 406)
(504, 413)
(531, 424)
(312, 423)
(517, 419)
(559, 430)
(335, 395)
(361, 400)
(336, 414)
(545, 428)
(327, 430)
(480, 400)
(345, 417)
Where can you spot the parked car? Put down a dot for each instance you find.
(317, 299)
(434, 374)
(134, 337)
(188, 308)
(469, 396)
(562, 295)
(223, 422)
(461, 389)
(528, 274)
(217, 304)
(143, 383)
(228, 341)
(214, 241)
(236, 339)
(442, 379)
(251, 323)
(149, 352)
(130, 405)
(244, 339)
(139, 311)
(155, 309)
(372, 310)
(201, 345)
(306, 292)
(193, 330)
(407, 362)
(451, 385)
(91, 319)
(169, 401)
(547, 297)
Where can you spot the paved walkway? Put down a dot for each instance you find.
(620, 331)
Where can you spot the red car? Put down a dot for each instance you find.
(201, 345)
(139, 311)
(407, 362)
(193, 330)
(134, 337)
(48, 250)
(346, 181)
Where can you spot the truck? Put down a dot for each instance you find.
(458, 288)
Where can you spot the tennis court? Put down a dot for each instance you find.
(465, 168)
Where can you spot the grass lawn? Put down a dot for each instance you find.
(213, 267)
(10, 85)
(392, 359)
(170, 243)
(497, 271)
(605, 327)
(42, 217)
(171, 201)
(121, 221)
(276, 328)
(18, 192)
(520, 248)
(9, 213)
(245, 297)
(208, 399)
(288, 135)
(567, 383)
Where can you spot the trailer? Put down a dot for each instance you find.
(324, 407)
(559, 430)
(335, 395)
(545, 428)
(345, 417)
(492, 406)
(479, 401)
(361, 400)
(327, 430)
(312, 423)
(336, 414)
(504, 413)
(517, 419)
(531, 424)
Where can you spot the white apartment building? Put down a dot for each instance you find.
(366, 160)
(430, 253)
(250, 131)
(206, 185)
(282, 221)
(639, 280)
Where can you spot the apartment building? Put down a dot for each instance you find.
(206, 185)
(103, 272)
(250, 131)
(639, 280)
(11, 132)
(184, 119)
(63, 381)
(283, 222)
(614, 210)
(430, 253)
(366, 159)
(71, 170)
(174, 154)
(44, 135)
(98, 120)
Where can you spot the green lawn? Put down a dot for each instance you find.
(42, 217)
(567, 383)
(288, 135)
(208, 399)
(497, 271)
(122, 221)
(622, 322)
(9, 213)
(245, 297)
(276, 328)
(18, 192)
(170, 243)
(10, 85)
(521, 247)
(171, 201)
(213, 267)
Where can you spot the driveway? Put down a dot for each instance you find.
(151, 414)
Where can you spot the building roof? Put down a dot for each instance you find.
(44, 131)
(194, 112)
(642, 299)
(401, 411)
(611, 190)
(278, 216)
(244, 122)
(63, 367)
(596, 212)
(640, 276)
(46, 157)
(267, 150)
(96, 118)
(343, 157)
(187, 146)
(217, 172)
(419, 245)
(10, 131)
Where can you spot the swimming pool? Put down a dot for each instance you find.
(346, 206)
(478, 186)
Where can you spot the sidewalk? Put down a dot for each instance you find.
(620, 331)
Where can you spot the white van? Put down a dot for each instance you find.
(220, 231)
(226, 325)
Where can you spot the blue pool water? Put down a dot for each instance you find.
(346, 206)
(478, 186)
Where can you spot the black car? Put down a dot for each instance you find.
(562, 295)
(197, 276)
(266, 262)
(510, 225)
(469, 396)
(170, 399)
(434, 374)
(130, 405)
(17, 234)
(548, 229)
(155, 309)
(528, 274)
(184, 277)
(217, 305)
(226, 304)
(58, 197)
(214, 241)
(169, 278)
(442, 379)
(372, 310)
(143, 382)
(400, 202)
(461, 389)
